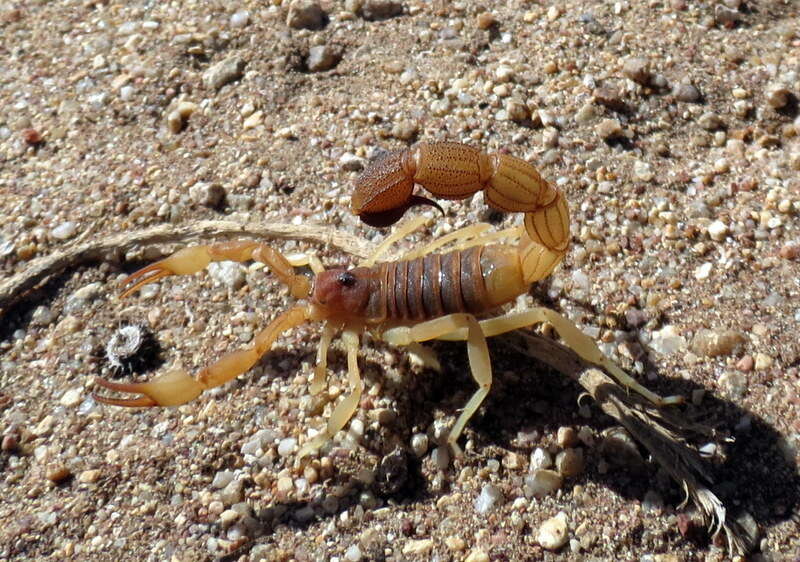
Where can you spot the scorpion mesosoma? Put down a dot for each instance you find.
(425, 296)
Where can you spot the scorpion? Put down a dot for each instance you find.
(426, 295)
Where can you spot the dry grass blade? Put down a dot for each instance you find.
(102, 247)
(661, 432)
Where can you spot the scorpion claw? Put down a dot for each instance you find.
(142, 278)
(170, 389)
(141, 402)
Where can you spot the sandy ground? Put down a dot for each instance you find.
(672, 129)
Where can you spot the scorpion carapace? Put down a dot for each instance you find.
(456, 171)
(423, 296)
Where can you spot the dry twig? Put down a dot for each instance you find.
(661, 431)
(106, 247)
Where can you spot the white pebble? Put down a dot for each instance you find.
(64, 231)
(553, 532)
(287, 446)
(702, 271)
(718, 230)
(240, 18)
(222, 479)
(490, 495)
(71, 398)
(353, 553)
(540, 459)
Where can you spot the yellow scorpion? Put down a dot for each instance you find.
(424, 296)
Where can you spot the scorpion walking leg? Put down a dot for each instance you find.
(321, 368)
(477, 351)
(193, 259)
(178, 387)
(579, 342)
(464, 233)
(345, 409)
(399, 233)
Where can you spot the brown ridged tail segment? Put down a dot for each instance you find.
(435, 285)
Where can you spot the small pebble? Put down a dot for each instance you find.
(762, 361)
(489, 497)
(207, 194)
(778, 97)
(419, 444)
(232, 493)
(240, 18)
(322, 57)
(305, 14)
(686, 93)
(418, 547)
(569, 462)
(733, 384)
(710, 121)
(58, 474)
(637, 69)
(228, 274)
(609, 129)
(353, 553)
(718, 230)
(553, 533)
(542, 483)
(223, 72)
(222, 479)
(667, 340)
(350, 162)
(566, 437)
(72, 397)
(485, 20)
(287, 446)
(715, 343)
(64, 231)
(540, 459)
(381, 9)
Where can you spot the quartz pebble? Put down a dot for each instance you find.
(64, 231)
(553, 533)
(542, 483)
(207, 194)
(228, 274)
(71, 397)
(489, 497)
(322, 57)
(223, 72)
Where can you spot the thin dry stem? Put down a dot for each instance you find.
(107, 247)
(661, 431)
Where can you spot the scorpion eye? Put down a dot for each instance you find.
(346, 279)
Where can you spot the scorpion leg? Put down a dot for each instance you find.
(462, 234)
(321, 368)
(178, 387)
(399, 233)
(579, 342)
(477, 351)
(193, 259)
(345, 409)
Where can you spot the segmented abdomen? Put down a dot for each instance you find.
(435, 285)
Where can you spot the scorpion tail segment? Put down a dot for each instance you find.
(385, 185)
(389, 217)
(170, 389)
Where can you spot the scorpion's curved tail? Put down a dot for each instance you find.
(456, 171)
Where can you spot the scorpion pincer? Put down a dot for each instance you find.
(424, 296)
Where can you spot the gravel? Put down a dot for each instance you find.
(678, 154)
